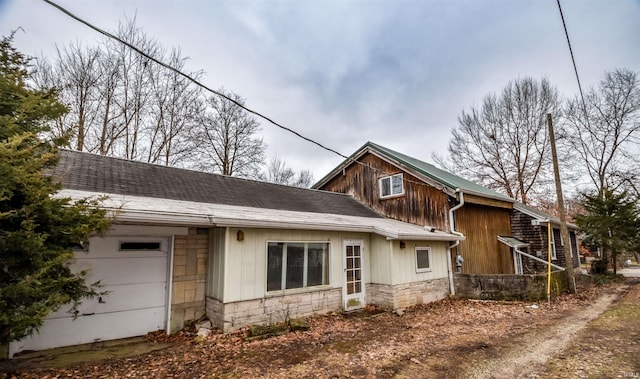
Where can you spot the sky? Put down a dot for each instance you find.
(397, 73)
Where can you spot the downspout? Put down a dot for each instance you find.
(452, 230)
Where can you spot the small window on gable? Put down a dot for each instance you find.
(391, 186)
(423, 259)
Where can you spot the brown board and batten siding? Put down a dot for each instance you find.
(421, 203)
(482, 252)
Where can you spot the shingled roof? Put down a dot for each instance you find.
(100, 174)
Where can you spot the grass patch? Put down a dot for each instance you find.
(602, 279)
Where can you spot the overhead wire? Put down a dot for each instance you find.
(575, 67)
(217, 93)
(188, 77)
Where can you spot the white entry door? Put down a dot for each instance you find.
(134, 271)
(354, 291)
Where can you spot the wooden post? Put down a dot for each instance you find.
(563, 217)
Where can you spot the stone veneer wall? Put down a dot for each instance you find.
(189, 276)
(268, 310)
(405, 295)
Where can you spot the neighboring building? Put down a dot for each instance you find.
(186, 244)
(531, 225)
(410, 190)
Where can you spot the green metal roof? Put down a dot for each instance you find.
(443, 177)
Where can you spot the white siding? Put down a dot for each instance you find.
(380, 260)
(246, 261)
(404, 262)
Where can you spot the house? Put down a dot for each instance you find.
(185, 244)
(410, 190)
(532, 225)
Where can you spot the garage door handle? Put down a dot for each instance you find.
(88, 314)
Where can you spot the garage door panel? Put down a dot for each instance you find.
(121, 298)
(87, 329)
(135, 305)
(109, 247)
(119, 254)
(123, 271)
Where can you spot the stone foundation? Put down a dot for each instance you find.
(406, 295)
(269, 310)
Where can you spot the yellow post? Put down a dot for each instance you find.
(549, 233)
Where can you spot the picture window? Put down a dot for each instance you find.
(297, 265)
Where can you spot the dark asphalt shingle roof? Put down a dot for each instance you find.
(96, 173)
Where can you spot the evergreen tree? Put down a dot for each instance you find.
(37, 229)
(610, 222)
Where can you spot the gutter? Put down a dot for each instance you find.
(452, 230)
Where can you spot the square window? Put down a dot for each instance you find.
(391, 186)
(423, 259)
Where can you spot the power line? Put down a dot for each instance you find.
(198, 83)
(188, 77)
(575, 68)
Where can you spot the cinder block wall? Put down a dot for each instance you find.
(509, 287)
(189, 276)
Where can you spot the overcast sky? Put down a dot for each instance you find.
(397, 73)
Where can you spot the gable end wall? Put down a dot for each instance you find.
(421, 204)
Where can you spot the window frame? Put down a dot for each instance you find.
(554, 252)
(571, 245)
(391, 193)
(423, 248)
(283, 273)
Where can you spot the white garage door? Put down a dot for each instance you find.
(134, 271)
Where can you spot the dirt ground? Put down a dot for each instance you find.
(594, 334)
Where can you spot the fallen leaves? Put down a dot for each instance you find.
(433, 337)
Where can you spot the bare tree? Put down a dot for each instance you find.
(120, 102)
(503, 143)
(227, 140)
(175, 107)
(75, 76)
(278, 172)
(604, 132)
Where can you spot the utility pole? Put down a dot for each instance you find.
(563, 217)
